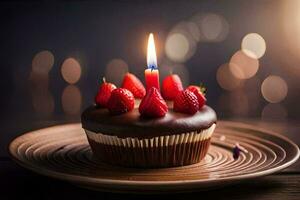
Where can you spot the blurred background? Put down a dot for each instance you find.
(54, 55)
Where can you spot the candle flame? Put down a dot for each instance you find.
(151, 53)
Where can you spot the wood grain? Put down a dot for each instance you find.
(63, 152)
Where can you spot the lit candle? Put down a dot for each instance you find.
(152, 73)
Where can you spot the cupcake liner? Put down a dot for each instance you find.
(162, 151)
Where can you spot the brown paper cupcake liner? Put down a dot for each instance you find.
(164, 151)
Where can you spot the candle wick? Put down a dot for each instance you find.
(152, 68)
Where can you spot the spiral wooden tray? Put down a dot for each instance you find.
(63, 152)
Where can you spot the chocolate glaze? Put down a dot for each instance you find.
(131, 124)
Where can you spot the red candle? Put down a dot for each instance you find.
(152, 78)
(152, 73)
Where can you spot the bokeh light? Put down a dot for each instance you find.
(42, 62)
(42, 99)
(71, 70)
(189, 29)
(177, 47)
(254, 45)
(181, 42)
(243, 66)
(226, 80)
(43, 102)
(274, 111)
(274, 89)
(213, 27)
(193, 29)
(115, 71)
(71, 100)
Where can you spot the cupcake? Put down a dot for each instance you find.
(149, 133)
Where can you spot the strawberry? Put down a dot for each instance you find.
(200, 96)
(153, 105)
(186, 102)
(171, 86)
(120, 101)
(134, 85)
(104, 93)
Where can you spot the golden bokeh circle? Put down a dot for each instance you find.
(274, 89)
(42, 62)
(242, 66)
(71, 70)
(226, 79)
(254, 45)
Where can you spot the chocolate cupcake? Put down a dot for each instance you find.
(131, 140)
(123, 130)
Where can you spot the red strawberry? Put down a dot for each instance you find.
(200, 96)
(104, 93)
(186, 102)
(171, 86)
(134, 85)
(120, 101)
(153, 105)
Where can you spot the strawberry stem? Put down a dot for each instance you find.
(202, 88)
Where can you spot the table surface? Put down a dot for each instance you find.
(16, 182)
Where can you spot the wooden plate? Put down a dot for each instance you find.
(63, 152)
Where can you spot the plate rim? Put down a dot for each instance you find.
(115, 182)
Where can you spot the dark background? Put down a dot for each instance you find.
(94, 33)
